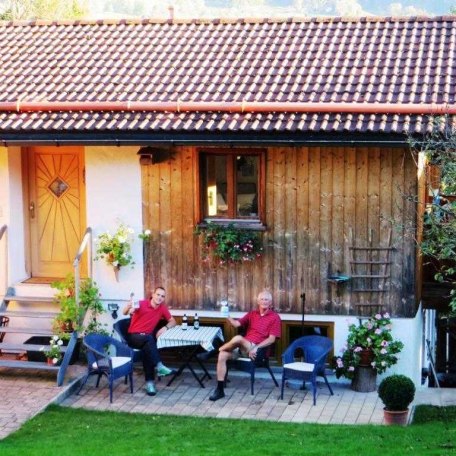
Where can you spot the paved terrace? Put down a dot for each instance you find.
(25, 394)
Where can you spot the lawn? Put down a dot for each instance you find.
(66, 431)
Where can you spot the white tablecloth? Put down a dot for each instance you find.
(177, 337)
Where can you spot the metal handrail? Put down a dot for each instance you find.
(77, 261)
(3, 230)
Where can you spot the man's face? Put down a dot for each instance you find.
(159, 296)
(264, 301)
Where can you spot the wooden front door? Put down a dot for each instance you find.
(56, 208)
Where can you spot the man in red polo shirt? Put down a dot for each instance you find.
(263, 327)
(144, 320)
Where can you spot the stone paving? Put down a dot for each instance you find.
(24, 394)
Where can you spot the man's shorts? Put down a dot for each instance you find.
(238, 353)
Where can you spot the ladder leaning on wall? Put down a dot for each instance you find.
(369, 269)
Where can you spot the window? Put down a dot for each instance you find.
(232, 184)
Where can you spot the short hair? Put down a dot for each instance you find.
(159, 288)
(266, 293)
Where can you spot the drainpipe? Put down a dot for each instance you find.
(234, 107)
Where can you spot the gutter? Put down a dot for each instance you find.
(234, 107)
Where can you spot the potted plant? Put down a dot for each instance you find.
(396, 393)
(369, 345)
(71, 315)
(54, 353)
(224, 244)
(115, 249)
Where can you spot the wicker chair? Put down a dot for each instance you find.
(315, 349)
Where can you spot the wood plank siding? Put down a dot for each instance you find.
(319, 202)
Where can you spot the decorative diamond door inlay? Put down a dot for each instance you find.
(58, 187)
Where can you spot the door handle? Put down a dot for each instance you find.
(32, 209)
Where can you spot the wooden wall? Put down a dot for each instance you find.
(316, 198)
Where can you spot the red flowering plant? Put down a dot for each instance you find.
(229, 244)
(372, 336)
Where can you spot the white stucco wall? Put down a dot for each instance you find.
(12, 214)
(407, 330)
(113, 195)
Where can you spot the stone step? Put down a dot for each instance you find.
(26, 330)
(27, 347)
(27, 365)
(27, 299)
(26, 313)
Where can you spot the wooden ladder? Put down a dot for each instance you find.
(370, 269)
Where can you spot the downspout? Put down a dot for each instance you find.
(234, 107)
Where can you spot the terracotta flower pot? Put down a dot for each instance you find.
(395, 417)
(49, 362)
(366, 357)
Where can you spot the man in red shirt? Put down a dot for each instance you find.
(263, 327)
(144, 320)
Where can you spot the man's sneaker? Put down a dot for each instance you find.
(163, 371)
(150, 389)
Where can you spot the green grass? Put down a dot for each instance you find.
(64, 431)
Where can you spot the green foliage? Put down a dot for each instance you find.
(439, 235)
(115, 248)
(375, 335)
(54, 351)
(65, 431)
(396, 392)
(228, 244)
(431, 413)
(71, 315)
(43, 9)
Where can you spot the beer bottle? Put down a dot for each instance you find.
(196, 322)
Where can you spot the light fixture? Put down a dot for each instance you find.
(113, 308)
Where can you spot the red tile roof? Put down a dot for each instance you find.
(375, 60)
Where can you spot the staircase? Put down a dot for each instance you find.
(30, 309)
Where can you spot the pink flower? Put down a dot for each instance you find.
(386, 315)
(351, 368)
(378, 331)
(378, 317)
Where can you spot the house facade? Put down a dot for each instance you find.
(296, 130)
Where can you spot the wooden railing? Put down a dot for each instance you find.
(85, 243)
(3, 231)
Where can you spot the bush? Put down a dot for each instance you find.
(396, 392)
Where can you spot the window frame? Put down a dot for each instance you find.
(231, 155)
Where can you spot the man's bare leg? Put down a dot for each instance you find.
(224, 356)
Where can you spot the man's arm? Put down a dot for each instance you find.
(128, 309)
(265, 343)
(169, 325)
(234, 323)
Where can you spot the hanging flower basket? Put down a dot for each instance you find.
(115, 249)
(228, 244)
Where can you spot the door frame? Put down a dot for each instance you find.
(25, 161)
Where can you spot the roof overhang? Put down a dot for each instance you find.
(212, 138)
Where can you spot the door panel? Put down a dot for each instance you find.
(57, 208)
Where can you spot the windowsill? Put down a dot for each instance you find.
(247, 224)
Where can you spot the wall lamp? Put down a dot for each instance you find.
(113, 308)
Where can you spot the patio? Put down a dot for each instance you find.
(24, 394)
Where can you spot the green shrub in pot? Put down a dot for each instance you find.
(396, 392)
